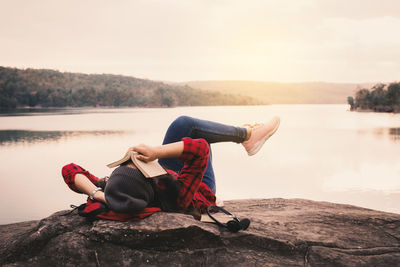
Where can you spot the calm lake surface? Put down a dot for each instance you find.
(320, 152)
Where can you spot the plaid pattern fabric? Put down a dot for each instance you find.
(69, 171)
(193, 193)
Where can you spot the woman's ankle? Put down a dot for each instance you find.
(248, 135)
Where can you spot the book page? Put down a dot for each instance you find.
(149, 169)
(119, 162)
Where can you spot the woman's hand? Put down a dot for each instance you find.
(145, 153)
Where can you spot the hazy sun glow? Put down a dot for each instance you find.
(302, 40)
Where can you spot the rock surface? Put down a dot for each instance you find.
(283, 232)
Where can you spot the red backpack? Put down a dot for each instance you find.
(97, 210)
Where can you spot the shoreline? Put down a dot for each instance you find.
(372, 111)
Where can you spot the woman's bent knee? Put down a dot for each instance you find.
(182, 121)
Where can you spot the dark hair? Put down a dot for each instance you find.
(167, 192)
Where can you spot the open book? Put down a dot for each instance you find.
(149, 169)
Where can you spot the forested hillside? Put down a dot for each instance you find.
(284, 93)
(380, 98)
(50, 88)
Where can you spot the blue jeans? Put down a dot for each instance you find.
(212, 132)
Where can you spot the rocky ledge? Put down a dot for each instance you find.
(283, 232)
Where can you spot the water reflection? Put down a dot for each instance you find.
(394, 134)
(55, 111)
(9, 137)
(373, 199)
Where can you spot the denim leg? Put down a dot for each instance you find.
(212, 132)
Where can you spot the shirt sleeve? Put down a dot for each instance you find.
(195, 159)
(70, 170)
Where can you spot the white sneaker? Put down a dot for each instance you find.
(259, 134)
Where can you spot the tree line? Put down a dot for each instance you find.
(380, 98)
(51, 88)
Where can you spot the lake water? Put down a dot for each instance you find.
(320, 152)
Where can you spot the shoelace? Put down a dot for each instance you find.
(253, 125)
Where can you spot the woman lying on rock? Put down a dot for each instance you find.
(188, 187)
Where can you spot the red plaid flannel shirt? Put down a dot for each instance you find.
(193, 193)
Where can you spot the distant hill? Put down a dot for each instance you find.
(50, 88)
(284, 93)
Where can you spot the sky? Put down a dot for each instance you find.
(184, 40)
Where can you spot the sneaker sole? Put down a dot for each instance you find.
(260, 143)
